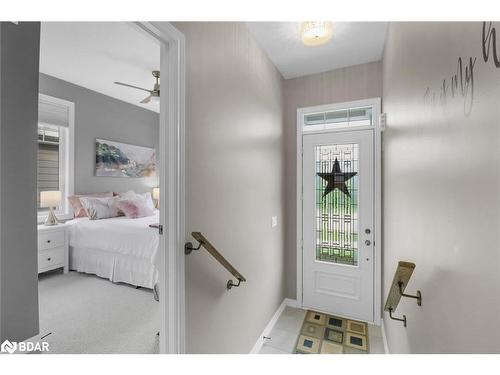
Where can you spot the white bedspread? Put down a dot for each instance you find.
(121, 249)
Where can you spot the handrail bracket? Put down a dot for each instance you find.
(230, 284)
(418, 297)
(188, 247)
(398, 319)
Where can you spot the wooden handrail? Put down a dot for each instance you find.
(399, 283)
(188, 248)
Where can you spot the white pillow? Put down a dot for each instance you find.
(148, 199)
(100, 208)
(128, 194)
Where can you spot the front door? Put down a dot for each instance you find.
(338, 210)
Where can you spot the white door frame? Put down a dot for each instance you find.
(377, 240)
(171, 161)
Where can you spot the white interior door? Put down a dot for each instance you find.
(338, 216)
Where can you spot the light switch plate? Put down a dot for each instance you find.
(274, 221)
(383, 121)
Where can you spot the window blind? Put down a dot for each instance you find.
(52, 113)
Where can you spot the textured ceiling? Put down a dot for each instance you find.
(352, 43)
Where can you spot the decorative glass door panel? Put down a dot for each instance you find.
(337, 199)
(337, 223)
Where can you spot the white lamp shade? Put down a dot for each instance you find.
(50, 198)
(316, 33)
(156, 193)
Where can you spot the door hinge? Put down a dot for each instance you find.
(160, 229)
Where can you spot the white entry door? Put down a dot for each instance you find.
(338, 216)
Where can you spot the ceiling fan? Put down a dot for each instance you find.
(153, 94)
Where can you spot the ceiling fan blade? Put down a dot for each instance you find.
(132, 86)
(146, 99)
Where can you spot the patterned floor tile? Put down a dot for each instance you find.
(308, 344)
(316, 317)
(328, 334)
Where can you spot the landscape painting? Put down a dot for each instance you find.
(114, 159)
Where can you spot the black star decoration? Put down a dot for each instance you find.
(336, 179)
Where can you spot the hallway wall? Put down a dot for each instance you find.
(336, 86)
(19, 56)
(234, 185)
(441, 178)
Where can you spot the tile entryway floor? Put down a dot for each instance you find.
(284, 335)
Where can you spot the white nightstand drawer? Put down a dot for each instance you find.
(51, 258)
(50, 239)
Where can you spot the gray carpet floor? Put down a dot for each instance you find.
(86, 314)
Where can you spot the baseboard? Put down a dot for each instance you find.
(267, 330)
(291, 302)
(384, 337)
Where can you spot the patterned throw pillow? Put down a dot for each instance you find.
(132, 195)
(77, 206)
(135, 208)
(101, 208)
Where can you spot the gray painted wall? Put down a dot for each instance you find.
(441, 179)
(234, 185)
(101, 116)
(340, 85)
(19, 51)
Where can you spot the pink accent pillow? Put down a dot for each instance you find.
(135, 208)
(77, 206)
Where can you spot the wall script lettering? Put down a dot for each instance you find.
(461, 83)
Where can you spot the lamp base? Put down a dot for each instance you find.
(51, 218)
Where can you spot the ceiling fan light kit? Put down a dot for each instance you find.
(154, 94)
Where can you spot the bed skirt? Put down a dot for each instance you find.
(115, 267)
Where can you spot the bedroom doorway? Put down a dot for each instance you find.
(55, 252)
(172, 205)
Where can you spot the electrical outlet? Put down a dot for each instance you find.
(274, 221)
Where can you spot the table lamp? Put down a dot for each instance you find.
(156, 196)
(50, 199)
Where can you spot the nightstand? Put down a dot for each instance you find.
(53, 247)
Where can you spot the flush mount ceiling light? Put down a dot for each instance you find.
(316, 33)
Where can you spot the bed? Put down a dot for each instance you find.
(119, 249)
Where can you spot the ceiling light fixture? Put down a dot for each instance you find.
(316, 33)
(154, 95)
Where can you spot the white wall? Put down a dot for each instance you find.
(336, 86)
(441, 178)
(234, 185)
(19, 48)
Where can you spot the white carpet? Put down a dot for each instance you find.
(87, 314)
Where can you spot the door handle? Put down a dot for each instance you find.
(368, 242)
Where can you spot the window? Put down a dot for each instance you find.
(48, 160)
(340, 118)
(55, 151)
